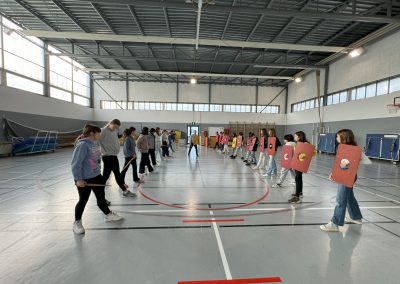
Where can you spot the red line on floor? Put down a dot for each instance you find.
(236, 281)
(266, 193)
(212, 221)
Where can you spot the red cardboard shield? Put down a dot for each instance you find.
(302, 156)
(271, 146)
(262, 144)
(287, 156)
(346, 164)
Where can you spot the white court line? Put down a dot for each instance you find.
(183, 210)
(221, 250)
(367, 191)
(377, 180)
(19, 177)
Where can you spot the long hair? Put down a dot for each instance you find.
(264, 131)
(89, 129)
(347, 137)
(273, 132)
(127, 132)
(302, 136)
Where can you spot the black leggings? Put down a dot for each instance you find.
(134, 169)
(298, 177)
(145, 161)
(111, 164)
(152, 153)
(84, 193)
(190, 149)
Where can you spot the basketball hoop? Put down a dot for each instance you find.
(393, 108)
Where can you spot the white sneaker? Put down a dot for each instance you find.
(128, 193)
(266, 175)
(330, 227)
(255, 168)
(112, 217)
(348, 220)
(276, 185)
(293, 183)
(78, 228)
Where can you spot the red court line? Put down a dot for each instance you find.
(212, 221)
(236, 281)
(266, 193)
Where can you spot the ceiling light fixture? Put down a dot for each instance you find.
(356, 52)
(298, 79)
(193, 80)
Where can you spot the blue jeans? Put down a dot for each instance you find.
(345, 199)
(271, 166)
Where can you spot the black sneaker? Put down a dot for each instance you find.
(244, 161)
(294, 199)
(234, 157)
(248, 164)
(301, 195)
(108, 202)
(242, 158)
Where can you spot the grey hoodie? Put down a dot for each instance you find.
(86, 160)
(109, 142)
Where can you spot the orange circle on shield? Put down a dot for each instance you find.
(302, 157)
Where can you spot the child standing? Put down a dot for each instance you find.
(110, 148)
(164, 144)
(254, 142)
(263, 145)
(194, 141)
(226, 143)
(216, 140)
(272, 169)
(130, 154)
(151, 139)
(234, 142)
(299, 136)
(86, 167)
(288, 140)
(345, 195)
(248, 147)
(157, 139)
(143, 147)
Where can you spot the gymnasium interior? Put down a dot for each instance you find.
(195, 69)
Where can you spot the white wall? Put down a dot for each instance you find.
(117, 89)
(15, 100)
(380, 60)
(186, 117)
(199, 93)
(154, 92)
(354, 110)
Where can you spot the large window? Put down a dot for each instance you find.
(22, 55)
(186, 107)
(21, 83)
(304, 105)
(24, 63)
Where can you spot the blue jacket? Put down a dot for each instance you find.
(86, 160)
(129, 147)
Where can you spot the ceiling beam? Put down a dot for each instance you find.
(183, 41)
(54, 28)
(96, 70)
(256, 11)
(141, 30)
(173, 60)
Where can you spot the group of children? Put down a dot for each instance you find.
(345, 196)
(96, 145)
(102, 144)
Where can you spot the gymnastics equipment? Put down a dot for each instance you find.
(28, 140)
(326, 143)
(383, 146)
